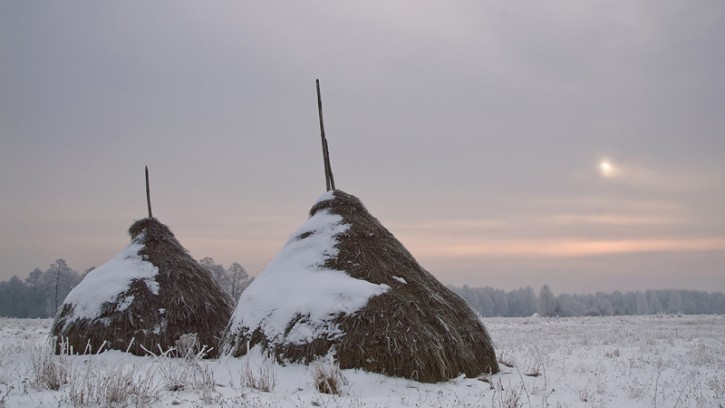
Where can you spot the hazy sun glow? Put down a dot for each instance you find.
(607, 169)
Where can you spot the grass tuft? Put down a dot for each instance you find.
(327, 376)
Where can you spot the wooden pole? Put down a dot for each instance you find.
(329, 178)
(148, 192)
(322, 134)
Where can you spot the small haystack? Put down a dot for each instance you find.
(151, 295)
(343, 284)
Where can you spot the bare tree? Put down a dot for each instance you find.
(240, 279)
(547, 302)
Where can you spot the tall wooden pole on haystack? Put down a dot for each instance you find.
(329, 178)
(148, 192)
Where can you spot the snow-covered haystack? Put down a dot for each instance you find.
(148, 296)
(343, 284)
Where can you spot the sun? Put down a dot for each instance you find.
(607, 168)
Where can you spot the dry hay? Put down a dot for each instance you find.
(189, 301)
(419, 329)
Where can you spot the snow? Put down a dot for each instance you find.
(108, 281)
(327, 196)
(628, 362)
(297, 286)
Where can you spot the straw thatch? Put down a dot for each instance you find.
(417, 329)
(180, 301)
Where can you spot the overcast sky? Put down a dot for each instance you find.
(506, 144)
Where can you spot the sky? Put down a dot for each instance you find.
(505, 144)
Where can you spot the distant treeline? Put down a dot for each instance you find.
(491, 302)
(42, 292)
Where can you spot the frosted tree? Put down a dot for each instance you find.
(485, 303)
(654, 302)
(618, 304)
(13, 298)
(58, 281)
(605, 307)
(642, 304)
(674, 303)
(500, 303)
(522, 302)
(233, 280)
(568, 305)
(36, 293)
(217, 271)
(547, 302)
(239, 278)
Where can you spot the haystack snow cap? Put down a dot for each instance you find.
(307, 295)
(109, 281)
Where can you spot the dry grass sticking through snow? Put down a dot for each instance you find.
(326, 376)
(263, 378)
(662, 361)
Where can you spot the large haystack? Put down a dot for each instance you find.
(344, 284)
(149, 295)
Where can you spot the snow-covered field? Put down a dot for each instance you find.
(653, 361)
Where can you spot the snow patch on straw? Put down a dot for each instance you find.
(296, 287)
(109, 282)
